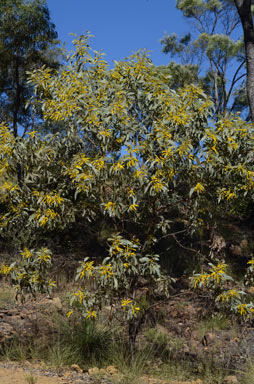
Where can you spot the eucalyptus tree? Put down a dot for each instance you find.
(216, 46)
(27, 41)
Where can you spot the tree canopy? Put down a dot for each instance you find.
(27, 41)
(216, 46)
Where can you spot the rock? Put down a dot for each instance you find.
(231, 380)
(112, 370)
(236, 250)
(208, 339)
(195, 335)
(66, 375)
(6, 332)
(93, 371)
(76, 368)
(56, 302)
(27, 363)
(43, 365)
(251, 291)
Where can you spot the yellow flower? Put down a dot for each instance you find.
(117, 167)
(126, 302)
(106, 270)
(105, 133)
(131, 192)
(157, 184)
(32, 134)
(133, 207)
(51, 283)
(80, 295)
(109, 206)
(44, 255)
(242, 309)
(99, 164)
(69, 313)
(51, 213)
(199, 188)
(26, 254)
(43, 221)
(132, 161)
(91, 314)
(5, 269)
(134, 309)
(88, 268)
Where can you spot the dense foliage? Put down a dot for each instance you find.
(146, 160)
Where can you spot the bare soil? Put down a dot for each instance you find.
(18, 376)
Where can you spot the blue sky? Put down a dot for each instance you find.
(120, 27)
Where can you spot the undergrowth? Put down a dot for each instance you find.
(92, 344)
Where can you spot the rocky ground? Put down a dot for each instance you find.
(189, 330)
(11, 373)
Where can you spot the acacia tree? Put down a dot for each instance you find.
(140, 155)
(27, 41)
(244, 8)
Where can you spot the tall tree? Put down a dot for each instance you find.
(217, 48)
(244, 8)
(27, 41)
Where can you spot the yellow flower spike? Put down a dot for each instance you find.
(69, 313)
(87, 267)
(242, 309)
(105, 133)
(133, 207)
(199, 188)
(126, 302)
(80, 295)
(32, 133)
(91, 314)
(109, 206)
(26, 254)
(51, 283)
(44, 221)
(117, 167)
(106, 270)
(5, 270)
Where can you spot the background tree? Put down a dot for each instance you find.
(27, 41)
(216, 47)
(244, 8)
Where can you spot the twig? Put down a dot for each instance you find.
(188, 249)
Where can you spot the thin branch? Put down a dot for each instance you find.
(188, 249)
(234, 80)
(173, 234)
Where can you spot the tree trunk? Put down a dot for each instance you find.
(16, 108)
(244, 10)
(16, 105)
